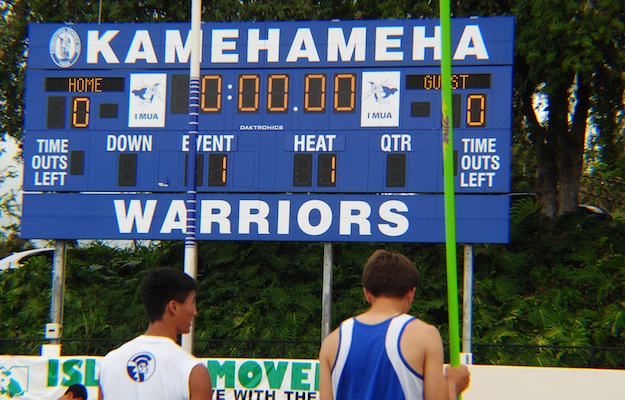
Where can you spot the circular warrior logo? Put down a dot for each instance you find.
(65, 47)
(141, 366)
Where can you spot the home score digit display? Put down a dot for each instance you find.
(348, 108)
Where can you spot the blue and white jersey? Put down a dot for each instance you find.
(147, 368)
(369, 364)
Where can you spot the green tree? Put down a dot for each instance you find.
(559, 282)
(12, 64)
(569, 93)
(567, 52)
(569, 57)
(556, 284)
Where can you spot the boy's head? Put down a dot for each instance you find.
(389, 274)
(160, 286)
(75, 391)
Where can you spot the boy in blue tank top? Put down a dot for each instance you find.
(384, 353)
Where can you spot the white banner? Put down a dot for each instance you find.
(41, 378)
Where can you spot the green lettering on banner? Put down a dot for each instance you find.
(53, 372)
(275, 376)
(317, 376)
(71, 369)
(225, 371)
(298, 375)
(250, 374)
(91, 375)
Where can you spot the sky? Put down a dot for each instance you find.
(7, 160)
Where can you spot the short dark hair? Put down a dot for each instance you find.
(77, 390)
(161, 285)
(389, 274)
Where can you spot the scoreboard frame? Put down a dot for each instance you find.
(323, 110)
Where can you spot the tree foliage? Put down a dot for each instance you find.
(568, 60)
(557, 288)
(567, 54)
(559, 283)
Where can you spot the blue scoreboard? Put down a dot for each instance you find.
(319, 131)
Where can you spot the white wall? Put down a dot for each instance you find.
(46, 378)
(534, 383)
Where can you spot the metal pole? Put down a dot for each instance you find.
(190, 247)
(326, 302)
(53, 329)
(467, 306)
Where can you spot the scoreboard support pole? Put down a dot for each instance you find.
(53, 330)
(448, 168)
(326, 300)
(190, 246)
(467, 306)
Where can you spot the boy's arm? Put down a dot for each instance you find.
(457, 380)
(200, 385)
(440, 385)
(327, 355)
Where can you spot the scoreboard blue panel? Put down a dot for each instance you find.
(326, 108)
(276, 217)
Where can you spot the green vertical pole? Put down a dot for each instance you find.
(448, 171)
